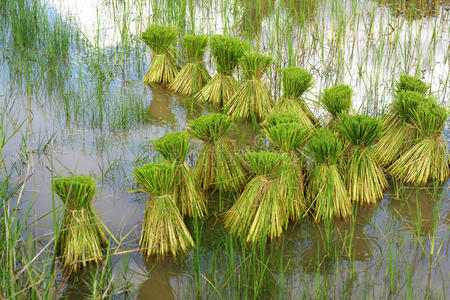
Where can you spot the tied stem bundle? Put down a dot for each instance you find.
(413, 84)
(218, 165)
(188, 196)
(259, 213)
(288, 139)
(326, 189)
(163, 68)
(227, 52)
(337, 100)
(193, 76)
(426, 160)
(296, 81)
(364, 176)
(252, 99)
(81, 239)
(163, 228)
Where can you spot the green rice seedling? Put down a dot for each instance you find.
(288, 139)
(398, 128)
(259, 213)
(337, 100)
(280, 118)
(163, 68)
(218, 165)
(296, 81)
(193, 76)
(81, 239)
(227, 52)
(190, 199)
(363, 175)
(163, 228)
(326, 189)
(426, 160)
(252, 99)
(410, 83)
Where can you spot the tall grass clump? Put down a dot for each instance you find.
(326, 189)
(163, 228)
(337, 100)
(296, 81)
(188, 196)
(193, 76)
(252, 99)
(160, 39)
(426, 160)
(259, 213)
(218, 165)
(289, 139)
(81, 239)
(413, 84)
(398, 127)
(363, 175)
(227, 51)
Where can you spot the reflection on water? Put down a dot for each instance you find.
(253, 12)
(160, 111)
(415, 9)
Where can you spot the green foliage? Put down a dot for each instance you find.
(429, 119)
(410, 83)
(325, 147)
(159, 38)
(255, 64)
(155, 179)
(173, 146)
(361, 130)
(287, 137)
(406, 103)
(337, 99)
(280, 118)
(77, 192)
(195, 47)
(263, 162)
(209, 128)
(296, 81)
(227, 52)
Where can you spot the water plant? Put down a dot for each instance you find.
(252, 99)
(163, 68)
(81, 239)
(193, 76)
(218, 165)
(337, 100)
(363, 175)
(296, 81)
(227, 51)
(188, 196)
(426, 160)
(411, 83)
(163, 228)
(280, 118)
(326, 189)
(288, 139)
(259, 213)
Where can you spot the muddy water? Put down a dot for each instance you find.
(60, 145)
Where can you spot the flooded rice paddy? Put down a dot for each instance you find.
(73, 102)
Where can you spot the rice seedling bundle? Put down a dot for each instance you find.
(252, 99)
(296, 81)
(326, 189)
(426, 160)
(259, 213)
(413, 84)
(337, 100)
(163, 68)
(280, 118)
(398, 127)
(193, 76)
(227, 52)
(288, 139)
(188, 196)
(218, 165)
(81, 239)
(363, 175)
(163, 228)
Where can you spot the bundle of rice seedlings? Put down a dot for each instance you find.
(280, 118)
(427, 159)
(218, 165)
(337, 100)
(252, 99)
(259, 212)
(288, 139)
(364, 176)
(326, 189)
(190, 199)
(296, 81)
(398, 129)
(81, 239)
(227, 52)
(163, 228)
(163, 68)
(410, 83)
(193, 76)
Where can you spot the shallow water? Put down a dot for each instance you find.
(104, 131)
